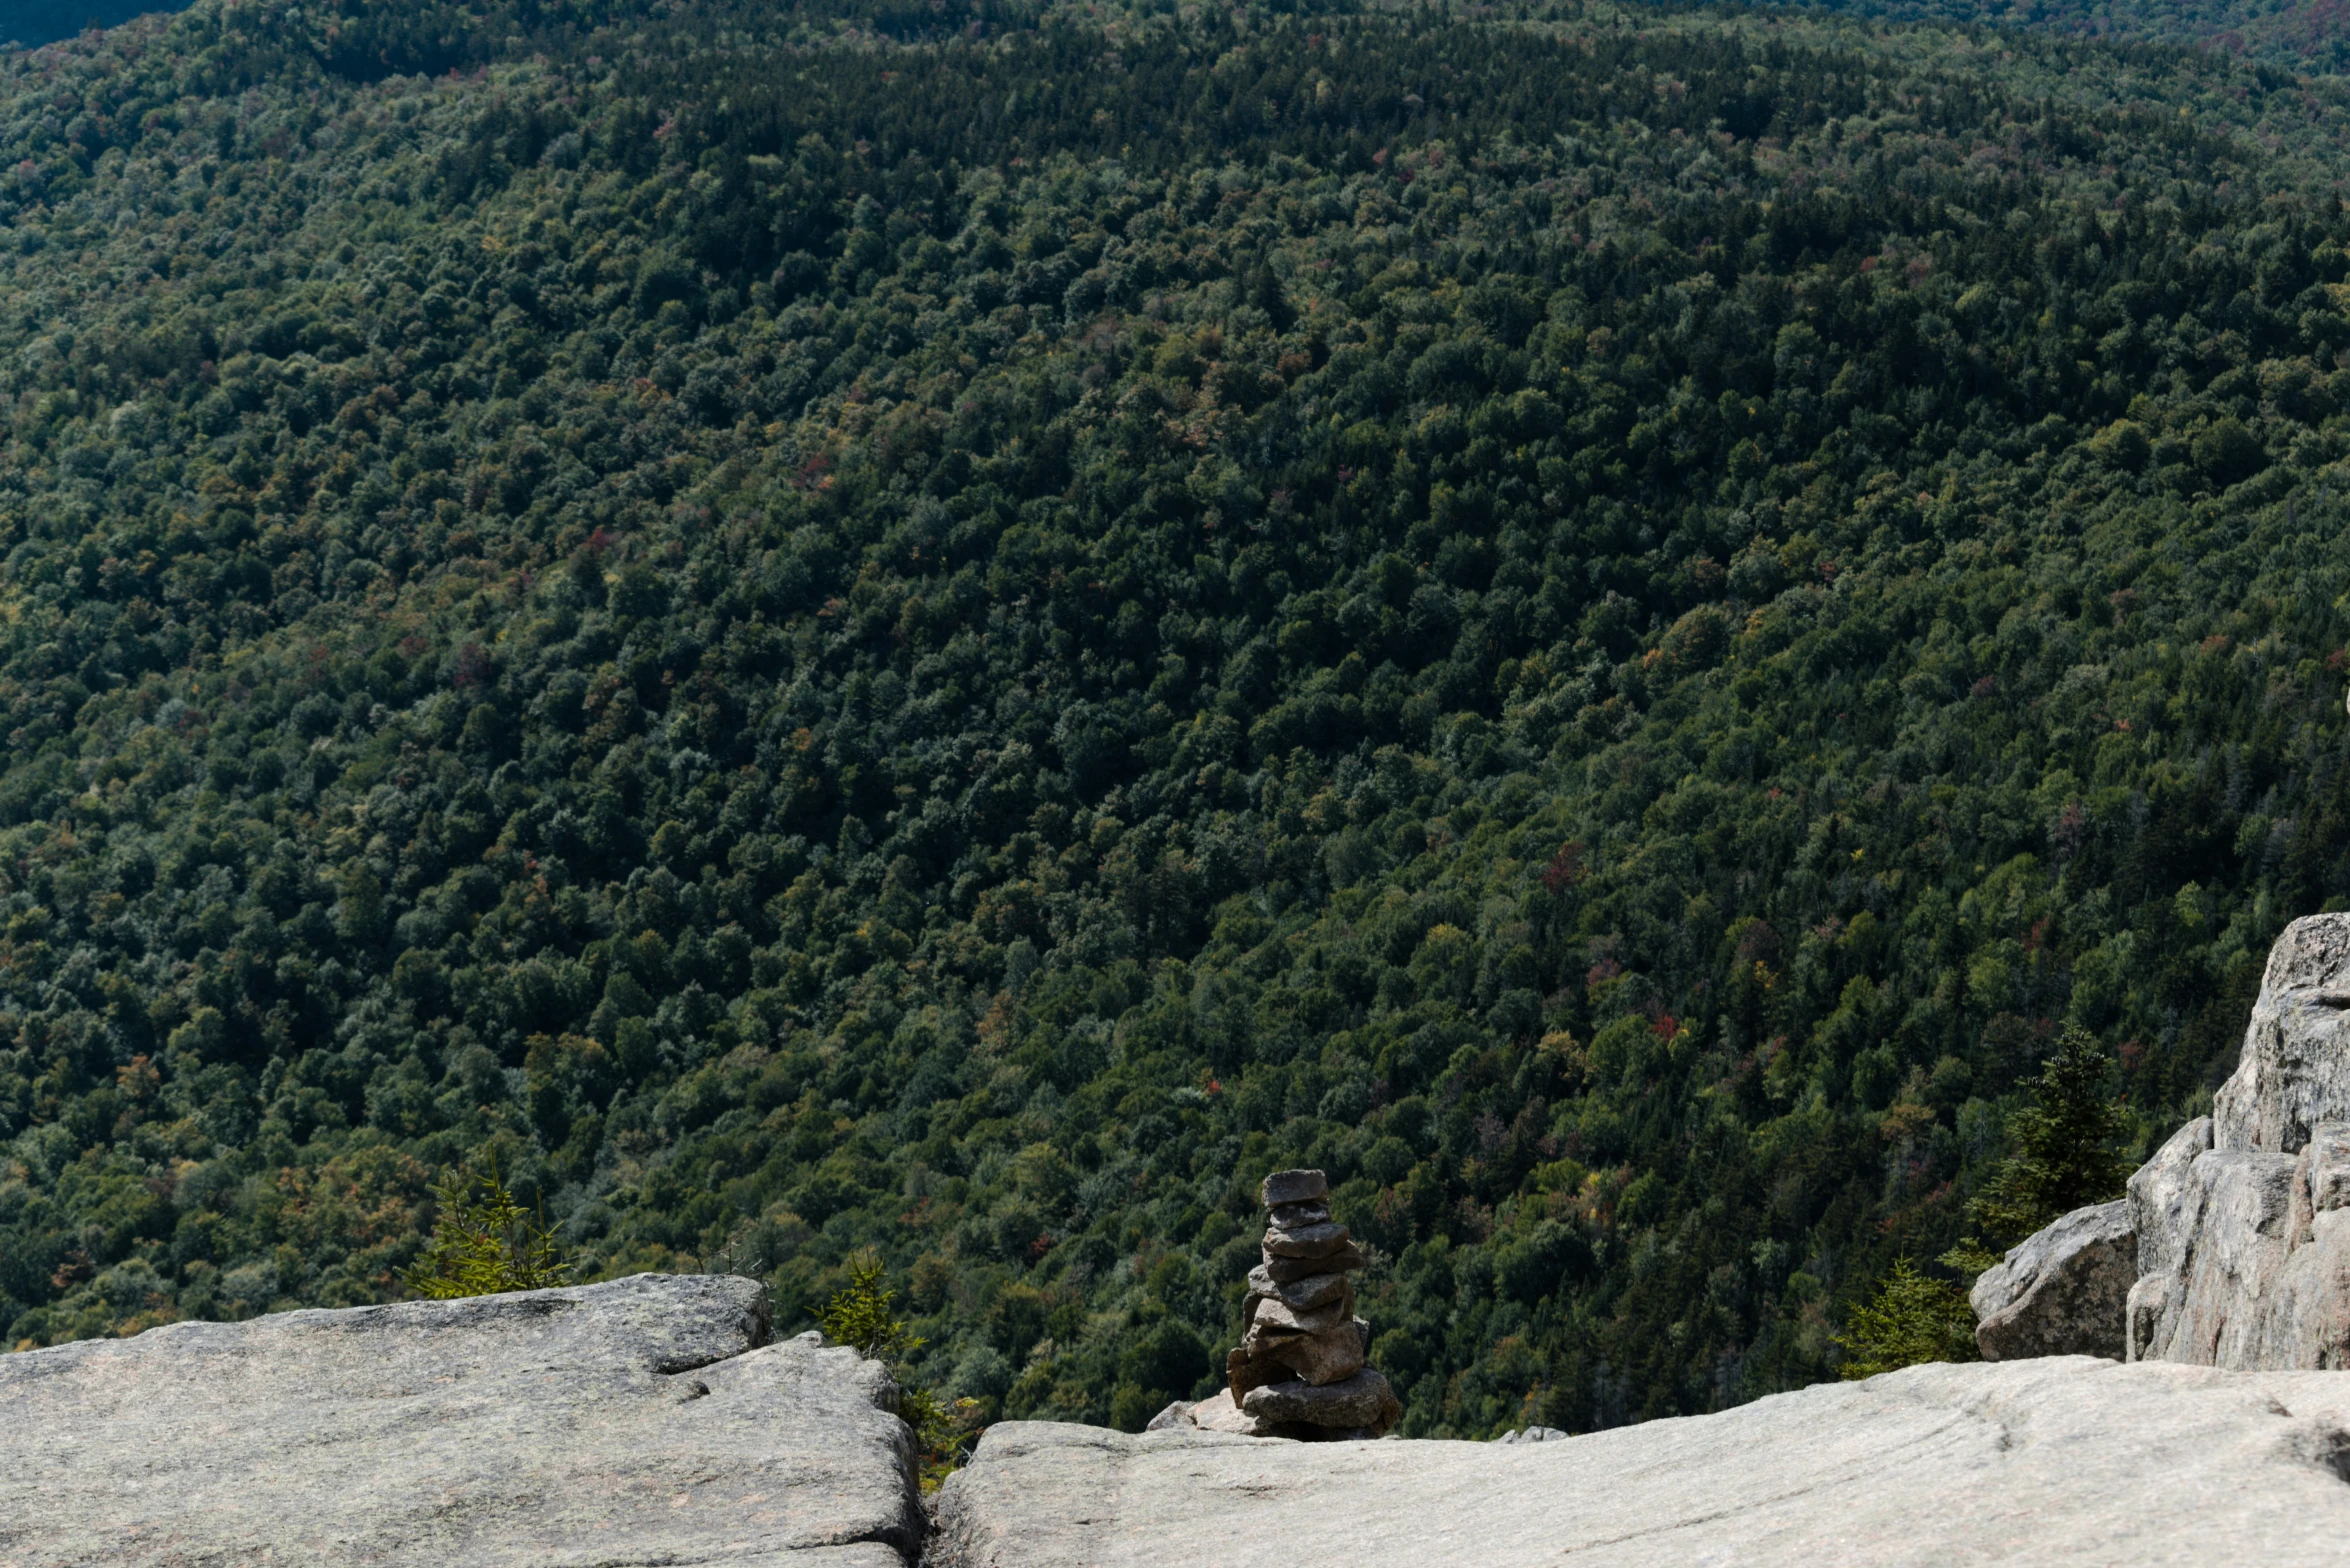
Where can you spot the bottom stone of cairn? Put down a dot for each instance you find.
(1299, 1371)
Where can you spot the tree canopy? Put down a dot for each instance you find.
(939, 637)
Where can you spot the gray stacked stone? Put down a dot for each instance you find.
(1299, 1370)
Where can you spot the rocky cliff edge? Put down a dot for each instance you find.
(2055, 1461)
(646, 1420)
(2232, 1248)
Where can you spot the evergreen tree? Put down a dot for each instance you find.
(2065, 1146)
(484, 1244)
(862, 1315)
(1912, 1318)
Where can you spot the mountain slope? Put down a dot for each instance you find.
(954, 635)
(2284, 35)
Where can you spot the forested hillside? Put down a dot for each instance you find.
(2285, 35)
(35, 22)
(2292, 35)
(954, 632)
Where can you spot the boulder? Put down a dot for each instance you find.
(2044, 1463)
(1269, 1318)
(1217, 1413)
(1311, 1241)
(2212, 1308)
(2062, 1293)
(2322, 1182)
(2158, 1195)
(643, 1420)
(1177, 1413)
(1312, 1291)
(1244, 1369)
(1286, 1271)
(1327, 1357)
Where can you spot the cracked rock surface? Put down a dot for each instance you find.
(2056, 1461)
(640, 1421)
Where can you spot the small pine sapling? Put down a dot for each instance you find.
(1913, 1318)
(944, 1430)
(862, 1317)
(484, 1243)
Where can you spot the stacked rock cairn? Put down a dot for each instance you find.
(1299, 1371)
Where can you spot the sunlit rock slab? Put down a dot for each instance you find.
(2065, 1461)
(641, 1421)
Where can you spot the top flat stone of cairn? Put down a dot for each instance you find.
(1294, 1187)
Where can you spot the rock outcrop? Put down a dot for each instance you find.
(2243, 1218)
(645, 1420)
(2251, 1249)
(2063, 1292)
(2058, 1461)
(1534, 1434)
(1299, 1370)
(2238, 1229)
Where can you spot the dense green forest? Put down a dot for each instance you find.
(2299, 35)
(954, 630)
(2289, 35)
(34, 22)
